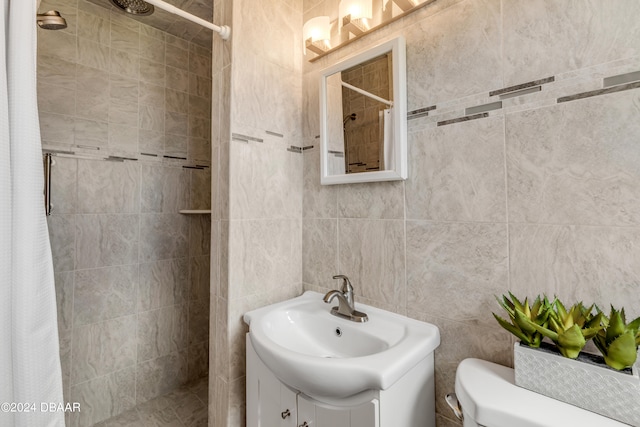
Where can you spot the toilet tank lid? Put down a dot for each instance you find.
(488, 394)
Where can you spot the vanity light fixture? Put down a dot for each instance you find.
(316, 34)
(355, 15)
(405, 5)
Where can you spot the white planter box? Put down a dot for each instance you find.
(582, 382)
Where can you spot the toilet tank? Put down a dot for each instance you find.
(489, 397)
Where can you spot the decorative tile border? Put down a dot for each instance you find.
(522, 86)
(520, 92)
(420, 112)
(279, 135)
(463, 119)
(483, 108)
(127, 157)
(245, 138)
(296, 149)
(621, 79)
(597, 80)
(589, 94)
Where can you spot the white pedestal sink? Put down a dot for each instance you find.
(334, 360)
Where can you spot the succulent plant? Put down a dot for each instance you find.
(570, 329)
(618, 340)
(522, 317)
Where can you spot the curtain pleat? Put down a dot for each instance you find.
(29, 348)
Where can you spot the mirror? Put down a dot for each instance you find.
(363, 117)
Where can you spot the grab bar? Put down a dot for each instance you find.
(48, 162)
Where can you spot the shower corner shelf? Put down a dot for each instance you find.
(195, 211)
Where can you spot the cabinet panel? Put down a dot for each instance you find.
(306, 412)
(326, 417)
(267, 398)
(270, 408)
(288, 403)
(317, 414)
(365, 415)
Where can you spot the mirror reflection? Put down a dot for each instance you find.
(367, 112)
(363, 132)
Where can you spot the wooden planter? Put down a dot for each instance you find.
(586, 382)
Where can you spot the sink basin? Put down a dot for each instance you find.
(322, 355)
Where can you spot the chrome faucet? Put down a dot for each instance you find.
(346, 305)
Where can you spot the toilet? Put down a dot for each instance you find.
(486, 396)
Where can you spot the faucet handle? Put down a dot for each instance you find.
(346, 283)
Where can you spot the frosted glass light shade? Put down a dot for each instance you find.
(317, 29)
(356, 8)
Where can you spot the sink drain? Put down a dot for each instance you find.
(338, 332)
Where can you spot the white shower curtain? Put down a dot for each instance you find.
(29, 360)
(388, 159)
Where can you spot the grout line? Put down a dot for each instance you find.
(405, 302)
(506, 202)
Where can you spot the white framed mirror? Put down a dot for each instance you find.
(363, 116)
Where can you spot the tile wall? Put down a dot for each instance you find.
(531, 196)
(132, 274)
(219, 403)
(535, 191)
(259, 186)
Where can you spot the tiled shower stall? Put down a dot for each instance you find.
(126, 110)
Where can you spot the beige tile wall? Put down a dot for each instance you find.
(218, 409)
(132, 275)
(538, 197)
(259, 185)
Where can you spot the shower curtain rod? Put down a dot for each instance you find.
(369, 94)
(224, 31)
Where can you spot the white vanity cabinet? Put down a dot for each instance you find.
(270, 403)
(316, 414)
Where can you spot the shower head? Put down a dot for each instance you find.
(134, 7)
(51, 20)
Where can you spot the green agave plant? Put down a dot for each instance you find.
(523, 317)
(618, 341)
(570, 329)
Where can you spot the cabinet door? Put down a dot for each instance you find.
(289, 410)
(306, 412)
(316, 414)
(365, 415)
(269, 402)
